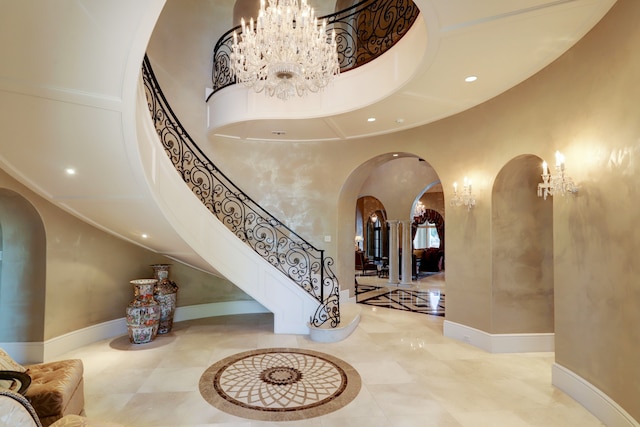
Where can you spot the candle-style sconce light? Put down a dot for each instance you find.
(464, 197)
(558, 182)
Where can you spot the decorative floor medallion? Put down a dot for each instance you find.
(280, 384)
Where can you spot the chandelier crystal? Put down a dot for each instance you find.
(284, 52)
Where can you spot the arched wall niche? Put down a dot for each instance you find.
(23, 272)
(522, 251)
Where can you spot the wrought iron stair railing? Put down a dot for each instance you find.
(275, 242)
(364, 31)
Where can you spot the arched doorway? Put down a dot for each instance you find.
(392, 178)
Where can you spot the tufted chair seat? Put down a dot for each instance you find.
(56, 389)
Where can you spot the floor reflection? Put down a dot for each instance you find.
(425, 295)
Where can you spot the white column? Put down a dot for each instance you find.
(407, 253)
(393, 252)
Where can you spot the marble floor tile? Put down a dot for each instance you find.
(362, 407)
(117, 381)
(407, 399)
(385, 372)
(278, 341)
(102, 405)
(503, 418)
(411, 376)
(368, 421)
(431, 420)
(571, 415)
(191, 357)
(171, 379)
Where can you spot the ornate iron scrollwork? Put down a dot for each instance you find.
(274, 241)
(364, 31)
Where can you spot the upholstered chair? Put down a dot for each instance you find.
(54, 391)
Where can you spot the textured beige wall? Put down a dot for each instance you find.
(597, 239)
(87, 276)
(586, 105)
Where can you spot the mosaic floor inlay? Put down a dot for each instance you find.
(280, 384)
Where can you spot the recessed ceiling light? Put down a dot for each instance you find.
(399, 121)
(70, 171)
(395, 154)
(470, 79)
(371, 119)
(144, 236)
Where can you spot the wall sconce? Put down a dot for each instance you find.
(557, 183)
(358, 240)
(374, 218)
(465, 197)
(419, 209)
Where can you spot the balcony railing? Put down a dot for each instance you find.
(275, 242)
(364, 31)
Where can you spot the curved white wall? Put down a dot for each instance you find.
(349, 91)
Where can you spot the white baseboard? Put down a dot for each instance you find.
(500, 343)
(592, 398)
(76, 339)
(35, 352)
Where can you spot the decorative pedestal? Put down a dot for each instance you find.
(143, 313)
(165, 293)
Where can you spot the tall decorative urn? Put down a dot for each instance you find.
(165, 293)
(143, 313)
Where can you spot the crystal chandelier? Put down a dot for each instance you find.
(284, 52)
(419, 210)
(557, 183)
(465, 197)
